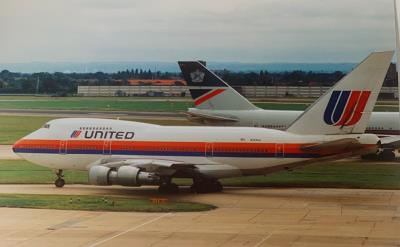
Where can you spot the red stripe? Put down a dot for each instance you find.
(208, 96)
(170, 146)
(354, 98)
(359, 109)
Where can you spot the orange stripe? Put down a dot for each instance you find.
(293, 148)
(208, 96)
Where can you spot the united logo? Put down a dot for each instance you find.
(345, 108)
(76, 133)
(197, 76)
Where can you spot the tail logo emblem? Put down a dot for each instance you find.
(345, 108)
(76, 134)
(197, 76)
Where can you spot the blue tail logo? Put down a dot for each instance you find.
(345, 108)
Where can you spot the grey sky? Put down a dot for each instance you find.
(218, 30)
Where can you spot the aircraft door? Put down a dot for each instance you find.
(279, 150)
(209, 150)
(107, 147)
(63, 147)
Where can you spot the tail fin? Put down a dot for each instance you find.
(347, 106)
(209, 91)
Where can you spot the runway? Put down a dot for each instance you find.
(245, 217)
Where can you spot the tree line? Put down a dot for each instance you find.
(66, 83)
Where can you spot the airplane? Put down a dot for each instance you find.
(117, 152)
(218, 104)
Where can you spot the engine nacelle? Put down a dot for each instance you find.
(98, 175)
(124, 175)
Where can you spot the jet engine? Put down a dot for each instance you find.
(124, 175)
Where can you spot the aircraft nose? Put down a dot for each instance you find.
(16, 145)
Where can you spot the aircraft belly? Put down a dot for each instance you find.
(82, 161)
(63, 161)
(256, 163)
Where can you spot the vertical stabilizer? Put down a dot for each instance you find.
(347, 106)
(209, 91)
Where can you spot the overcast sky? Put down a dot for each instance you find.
(217, 30)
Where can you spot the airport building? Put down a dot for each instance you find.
(173, 90)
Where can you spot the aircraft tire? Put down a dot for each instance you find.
(387, 155)
(206, 186)
(170, 188)
(59, 183)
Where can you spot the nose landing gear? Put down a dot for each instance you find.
(60, 182)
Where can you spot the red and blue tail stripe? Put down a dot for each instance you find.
(345, 108)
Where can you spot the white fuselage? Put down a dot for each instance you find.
(79, 143)
(380, 123)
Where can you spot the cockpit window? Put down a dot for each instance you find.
(46, 126)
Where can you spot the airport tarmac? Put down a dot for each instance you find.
(245, 217)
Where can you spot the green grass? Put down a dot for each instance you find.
(365, 175)
(12, 128)
(106, 104)
(23, 172)
(97, 203)
(330, 175)
(355, 175)
(133, 104)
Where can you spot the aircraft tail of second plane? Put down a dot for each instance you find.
(209, 91)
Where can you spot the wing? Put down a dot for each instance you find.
(195, 116)
(390, 142)
(333, 146)
(171, 167)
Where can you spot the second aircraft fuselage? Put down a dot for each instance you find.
(381, 123)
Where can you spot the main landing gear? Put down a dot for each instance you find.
(60, 182)
(200, 186)
(167, 187)
(206, 186)
(383, 155)
(387, 155)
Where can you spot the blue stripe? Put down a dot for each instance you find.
(331, 107)
(170, 153)
(340, 106)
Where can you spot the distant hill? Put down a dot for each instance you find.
(110, 67)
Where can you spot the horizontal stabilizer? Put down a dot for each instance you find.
(390, 142)
(206, 117)
(333, 146)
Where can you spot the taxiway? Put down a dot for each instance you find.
(245, 217)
